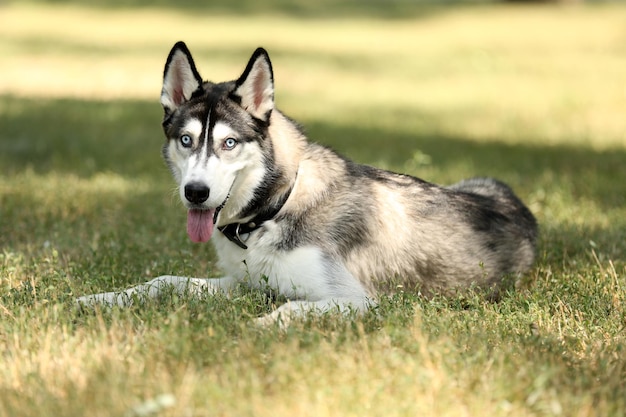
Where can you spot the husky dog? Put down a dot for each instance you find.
(321, 230)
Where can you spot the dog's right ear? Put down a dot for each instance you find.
(180, 78)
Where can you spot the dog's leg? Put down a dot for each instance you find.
(299, 308)
(152, 289)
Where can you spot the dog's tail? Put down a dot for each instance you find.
(505, 199)
(487, 187)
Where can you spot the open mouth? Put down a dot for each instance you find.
(201, 222)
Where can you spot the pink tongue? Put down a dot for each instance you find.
(200, 225)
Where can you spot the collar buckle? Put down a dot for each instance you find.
(234, 232)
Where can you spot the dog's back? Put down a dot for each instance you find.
(396, 232)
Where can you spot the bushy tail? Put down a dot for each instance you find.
(505, 199)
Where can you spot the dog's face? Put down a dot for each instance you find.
(216, 137)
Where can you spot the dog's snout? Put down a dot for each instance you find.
(196, 192)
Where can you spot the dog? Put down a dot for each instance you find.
(319, 229)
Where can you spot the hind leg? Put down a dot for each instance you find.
(300, 308)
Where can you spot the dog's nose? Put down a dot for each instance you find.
(196, 192)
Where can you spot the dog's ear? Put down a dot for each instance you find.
(255, 88)
(180, 78)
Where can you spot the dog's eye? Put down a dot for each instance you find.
(186, 141)
(229, 144)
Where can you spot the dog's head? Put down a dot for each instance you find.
(216, 137)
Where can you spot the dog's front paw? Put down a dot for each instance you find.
(280, 318)
(86, 303)
(105, 299)
(83, 304)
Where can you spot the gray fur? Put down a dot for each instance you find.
(473, 233)
(390, 230)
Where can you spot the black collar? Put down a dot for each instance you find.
(233, 231)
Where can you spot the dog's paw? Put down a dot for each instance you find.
(87, 304)
(278, 317)
(83, 305)
(102, 300)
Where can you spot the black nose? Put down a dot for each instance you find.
(196, 192)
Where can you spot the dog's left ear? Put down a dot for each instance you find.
(255, 88)
(180, 78)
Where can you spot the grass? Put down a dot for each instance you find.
(531, 95)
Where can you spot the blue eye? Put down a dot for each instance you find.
(229, 144)
(186, 141)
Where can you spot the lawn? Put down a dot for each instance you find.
(533, 95)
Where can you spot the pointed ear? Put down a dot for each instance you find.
(180, 78)
(255, 87)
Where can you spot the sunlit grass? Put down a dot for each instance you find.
(532, 95)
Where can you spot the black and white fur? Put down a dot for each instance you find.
(321, 230)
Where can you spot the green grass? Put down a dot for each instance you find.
(531, 95)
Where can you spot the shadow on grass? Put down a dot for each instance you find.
(80, 137)
(85, 139)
